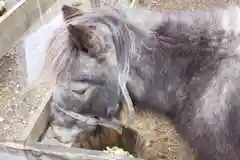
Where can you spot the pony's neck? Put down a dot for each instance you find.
(168, 62)
(148, 70)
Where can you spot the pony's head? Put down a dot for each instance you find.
(90, 58)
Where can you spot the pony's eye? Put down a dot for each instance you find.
(85, 49)
(82, 91)
(79, 88)
(92, 27)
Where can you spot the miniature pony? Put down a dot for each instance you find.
(185, 65)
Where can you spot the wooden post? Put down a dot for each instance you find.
(16, 21)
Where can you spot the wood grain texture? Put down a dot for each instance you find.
(38, 122)
(38, 151)
(16, 21)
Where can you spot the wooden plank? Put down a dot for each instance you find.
(38, 122)
(38, 151)
(12, 150)
(15, 22)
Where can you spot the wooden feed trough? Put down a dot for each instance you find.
(144, 141)
(38, 136)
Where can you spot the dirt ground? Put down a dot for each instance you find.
(168, 5)
(12, 81)
(16, 108)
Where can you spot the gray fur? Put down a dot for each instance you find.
(184, 65)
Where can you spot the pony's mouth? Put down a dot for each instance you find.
(112, 123)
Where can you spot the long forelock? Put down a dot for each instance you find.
(59, 54)
(126, 38)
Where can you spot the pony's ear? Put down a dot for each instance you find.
(68, 11)
(81, 36)
(85, 39)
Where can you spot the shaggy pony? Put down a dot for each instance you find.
(185, 65)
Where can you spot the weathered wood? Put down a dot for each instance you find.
(12, 150)
(38, 122)
(15, 22)
(38, 151)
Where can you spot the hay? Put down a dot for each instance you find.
(158, 138)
